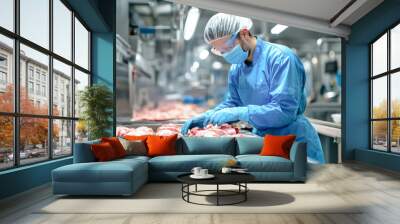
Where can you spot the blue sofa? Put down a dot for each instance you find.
(125, 176)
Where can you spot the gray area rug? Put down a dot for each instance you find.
(166, 198)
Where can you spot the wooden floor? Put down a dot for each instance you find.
(379, 189)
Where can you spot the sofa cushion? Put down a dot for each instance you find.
(185, 163)
(103, 152)
(206, 145)
(277, 145)
(136, 138)
(112, 171)
(131, 158)
(161, 145)
(134, 147)
(257, 163)
(83, 152)
(116, 145)
(249, 145)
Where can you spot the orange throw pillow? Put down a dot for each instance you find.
(277, 145)
(103, 152)
(136, 138)
(116, 145)
(161, 145)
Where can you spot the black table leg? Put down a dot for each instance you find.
(245, 193)
(182, 190)
(220, 193)
(188, 190)
(217, 194)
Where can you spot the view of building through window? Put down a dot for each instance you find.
(32, 111)
(385, 96)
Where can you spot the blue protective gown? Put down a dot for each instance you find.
(272, 88)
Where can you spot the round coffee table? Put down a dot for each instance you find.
(238, 179)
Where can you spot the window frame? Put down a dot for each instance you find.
(388, 74)
(16, 114)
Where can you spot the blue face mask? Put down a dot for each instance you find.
(236, 56)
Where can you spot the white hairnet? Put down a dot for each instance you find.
(221, 24)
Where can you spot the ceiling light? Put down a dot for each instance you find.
(196, 64)
(278, 28)
(332, 54)
(188, 76)
(319, 41)
(191, 23)
(217, 65)
(314, 60)
(204, 54)
(194, 67)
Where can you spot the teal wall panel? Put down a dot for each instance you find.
(103, 64)
(356, 97)
(379, 159)
(91, 13)
(103, 59)
(24, 178)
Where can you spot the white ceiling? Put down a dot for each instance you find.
(321, 9)
(315, 15)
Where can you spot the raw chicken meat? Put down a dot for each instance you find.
(168, 129)
(172, 129)
(143, 130)
(163, 130)
(168, 111)
(166, 133)
(214, 131)
(244, 135)
(122, 131)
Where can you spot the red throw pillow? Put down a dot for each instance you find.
(136, 138)
(116, 145)
(103, 152)
(277, 145)
(161, 145)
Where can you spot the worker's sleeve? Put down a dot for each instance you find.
(232, 99)
(285, 94)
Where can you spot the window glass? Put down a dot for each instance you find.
(81, 81)
(379, 98)
(7, 14)
(395, 136)
(395, 94)
(62, 29)
(6, 74)
(6, 142)
(379, 135)
(34, 81)
(81, 131)
(39, 62)
(379, 56)
(395, 47)
(62, 89)
(81, 45)
(62, 138)
(33, 139)
(34, 21)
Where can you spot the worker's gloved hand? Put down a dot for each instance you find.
(197, 121)
(229, 115)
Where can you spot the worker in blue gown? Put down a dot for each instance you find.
(265, 85)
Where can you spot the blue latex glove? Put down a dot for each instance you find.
(228, 115)
(194, 122)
